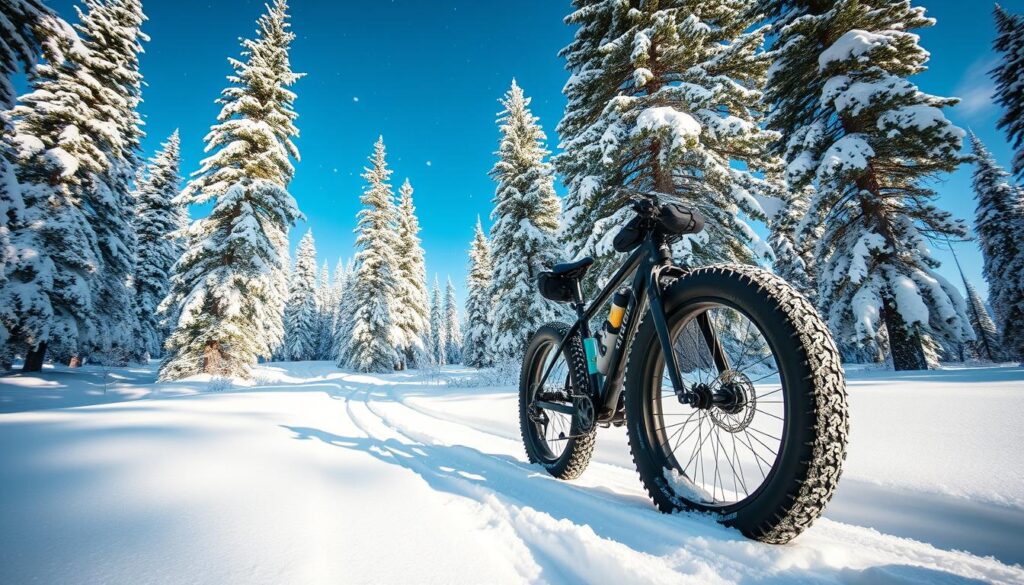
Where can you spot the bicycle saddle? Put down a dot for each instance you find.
(573, 269)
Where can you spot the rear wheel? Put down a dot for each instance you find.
(763, 447)
(552, 438)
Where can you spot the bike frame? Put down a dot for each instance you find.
(645, 265)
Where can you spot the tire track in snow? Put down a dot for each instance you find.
(631, 534)
(558, 550)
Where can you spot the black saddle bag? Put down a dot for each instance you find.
(557, 288)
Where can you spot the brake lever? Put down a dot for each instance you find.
(643, 205)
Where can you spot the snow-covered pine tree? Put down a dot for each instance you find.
(664, 97)
(21, 38)
(55, 253)
(1009, 77)
(865, 138)
(412, 310)
(168, 310)
(375, 336)
(157, 221)
(525, 219)
(340, 311)
(111, 31)
(301, 313)
(230, 281)
(101, 70)
(999, 223)
(325, 315)
(24, 26)
(452, 329)
(438, 332)
(479, 302)
(344, 319)
(986, 343)
(792, 259)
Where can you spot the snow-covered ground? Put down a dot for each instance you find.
(313, 475)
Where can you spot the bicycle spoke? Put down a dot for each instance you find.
(746, 346)
(678, 423)
(736, 455)
(674, 434)
(758, 362)
(774, 454)
(715, 454)
(769, 414)
(765, 434)
(757, 458)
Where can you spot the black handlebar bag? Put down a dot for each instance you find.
(676, 219)
(673, 220)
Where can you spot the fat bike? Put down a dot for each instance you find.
(727, 380)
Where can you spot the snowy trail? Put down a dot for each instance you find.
(319, 476)
(611, 504)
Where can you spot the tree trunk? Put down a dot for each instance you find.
(76, 361)
(905, 344)
(211, 358)
(34, 358)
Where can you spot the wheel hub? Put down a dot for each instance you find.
(700, 397)
(734, 401)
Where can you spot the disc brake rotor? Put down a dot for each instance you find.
(735, 402)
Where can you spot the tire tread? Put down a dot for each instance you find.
(808, 497)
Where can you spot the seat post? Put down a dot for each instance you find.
(580, 307)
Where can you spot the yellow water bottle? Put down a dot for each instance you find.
(610, 330)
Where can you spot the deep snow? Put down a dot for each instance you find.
(313, 475)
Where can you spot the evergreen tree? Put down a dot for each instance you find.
(438, 327)
(341, 314)
(986, 344)
(345, 315)
(864, 138)
(452, 330)
(664, 98)
(302, 313)
(523, 234)
(325, 315)
(230, 281)
(792, 261)
(999, 223)
(157, 223)
(375, 335)
(111, 31)
(412, 313)
(1009, 77)
(47, 299)
(479, 302)
(24, 26)
(77, 134)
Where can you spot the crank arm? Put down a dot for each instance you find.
(555, 406)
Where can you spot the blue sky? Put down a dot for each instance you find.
(427, 76)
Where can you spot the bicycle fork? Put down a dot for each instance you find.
(657, 308)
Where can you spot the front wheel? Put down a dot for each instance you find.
(763, 446)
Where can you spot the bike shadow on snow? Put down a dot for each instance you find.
(537, 507)
(946, 522)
